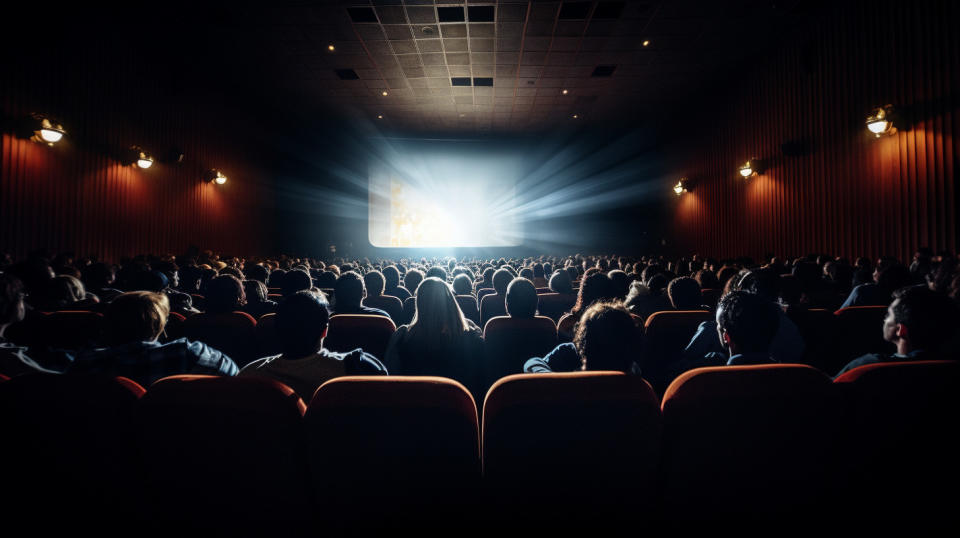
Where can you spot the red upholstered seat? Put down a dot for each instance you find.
(468, 305)
(398, 444)
(666, 335)
(902, 457)
(554, 305)
(233, 333)
(389, 304)
(582, 444)
(351, 331)
(509, 342)
(862, 330)
(69, 451)
(750, 440)
(267, 339)
(225, 453)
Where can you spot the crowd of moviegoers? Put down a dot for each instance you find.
(304, 322)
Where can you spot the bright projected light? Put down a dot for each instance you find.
(446, 198)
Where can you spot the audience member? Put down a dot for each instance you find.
(349, 292)
(521, 299)
(684, 294)
(13, 358)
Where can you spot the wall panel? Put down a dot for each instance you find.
(850, 194)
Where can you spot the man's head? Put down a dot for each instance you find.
(301, 323)
(12, 293)
(684, 293)
(501, 279)
(521, 298)
(746, 322)
(225, 293)
(374, 282)
(349, 290)
(412, 279)
(920, 319)
(136, 316)
(606, 337)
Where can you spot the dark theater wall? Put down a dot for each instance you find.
(78, 196)
(840, 190)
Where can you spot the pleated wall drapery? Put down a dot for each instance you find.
(830, 185)
(78, 196)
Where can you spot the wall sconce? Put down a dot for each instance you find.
(880, 121)
(48, 131)
(751, 167)
(215, 176)
(135, 155)
(682, 186)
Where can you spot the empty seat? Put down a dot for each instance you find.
(267, 339)
(571, 448)
(554, 305)
(233, 333)
(68, 452)
(862, 330)
(394, 449)
(468, 304)
(750, 441)
(389, 304)
(351, 331)
(902, 458)
(224, 453)
(509, 342)
(491, 306)
(666, 335)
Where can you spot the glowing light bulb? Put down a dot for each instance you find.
(384, 93)
(565, 92)
(746, 170)
(331, 48)
(145, 162)
(646, 42)
(50, 135)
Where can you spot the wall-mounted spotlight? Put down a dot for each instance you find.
(135, 155)
(215, 176)
(48, 131)
(880, 121)
(752, 168)
(682, 186)
(746, 170)
(144, 160)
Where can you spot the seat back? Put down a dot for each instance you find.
(666, 335)
(491, 306)
(902, 439)
(554, 305)
(862, 330)
(235, 444)
(589, 436)
(233, 333)
(397, 444)
(468, 304)
(818, 328)
(73, 329)
(174, 327)
(389, 304)
(69, 448)
(483, 292)
(267, 339)
(758, 440)
(351, 331)
(509, 342)
(565, 328)
(710, 296)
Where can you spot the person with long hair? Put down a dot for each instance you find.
(439, 340)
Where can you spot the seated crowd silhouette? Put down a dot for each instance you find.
(550, 392)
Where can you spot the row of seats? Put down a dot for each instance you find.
(552, 449)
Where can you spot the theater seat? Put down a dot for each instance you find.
(391, 450)
(751, 444)
(351, 331)
(491, 306)
(267, 339)
(468, 305)
(483, 292)
(509, 342)
(666, 335)
(862, 330)
(233, 333)
(554, 305)
(565, 328)
(561, 447)
(710, 297)
(389, 304)
(225, 454)
(409, 309)
(174, 327)
(902, 458)
(68, 452)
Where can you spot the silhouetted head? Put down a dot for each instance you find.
(521, 299)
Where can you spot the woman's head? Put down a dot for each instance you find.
(606, 337)
(560, 282)
(438, 315)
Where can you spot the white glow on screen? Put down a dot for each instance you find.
(444, 200)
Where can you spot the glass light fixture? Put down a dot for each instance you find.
(215, 176)
(879, 122)
(746, 170)
(220, 179)
(49, 132)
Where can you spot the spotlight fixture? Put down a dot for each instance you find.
(384, 93)
(379, 116)
(144, 160)
(646, 42)
(880, 122)
(49, 131)
(681, 187)
(331, 48)
(752, 168)
(564, 92)
(215, 176)
(575, 116)
(746, 170)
